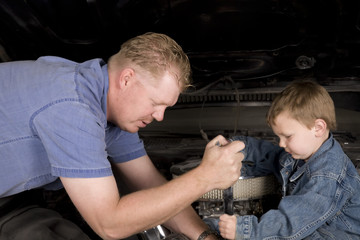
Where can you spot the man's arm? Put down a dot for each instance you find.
(142, 174)
(112, 217)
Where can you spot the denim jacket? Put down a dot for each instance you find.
(323, 201)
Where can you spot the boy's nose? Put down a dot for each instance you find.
(282, 143)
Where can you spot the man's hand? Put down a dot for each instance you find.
(227, 226)
(221, 163)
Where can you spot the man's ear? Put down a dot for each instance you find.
(320, 127)
(125, 77)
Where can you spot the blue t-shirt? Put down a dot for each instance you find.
(53, 123)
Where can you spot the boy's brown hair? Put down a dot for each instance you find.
(305, 101)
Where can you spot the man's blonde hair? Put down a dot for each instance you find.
(156, 53)
(305, 101)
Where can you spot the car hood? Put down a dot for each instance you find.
(242, 54)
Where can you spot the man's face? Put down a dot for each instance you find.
(295, 138)
(144, 100)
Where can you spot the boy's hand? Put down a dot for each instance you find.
(227, 226)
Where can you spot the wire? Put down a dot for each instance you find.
(202, 132)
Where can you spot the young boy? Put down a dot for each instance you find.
(320, 185)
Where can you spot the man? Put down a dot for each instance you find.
(61, 123)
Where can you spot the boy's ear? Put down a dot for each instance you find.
(320, 127)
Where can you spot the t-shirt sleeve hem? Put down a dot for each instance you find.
(81, 173)
(128, 157)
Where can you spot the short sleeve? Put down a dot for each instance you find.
(123, 146)
(74, 139)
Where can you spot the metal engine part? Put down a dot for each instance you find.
(246, 188)
(160, 233)
(251, 195)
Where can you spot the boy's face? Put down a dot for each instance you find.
(298, 140)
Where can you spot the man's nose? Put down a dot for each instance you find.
(158, 115)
